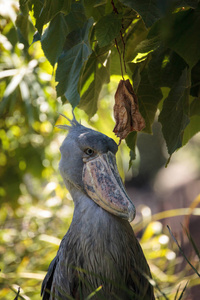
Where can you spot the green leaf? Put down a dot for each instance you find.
(44, 11)
(24, 8)
(184, 39)
(144, 48)
(131, 140)
(71, 62)
(149, 10)
(66, 5)
(53, 38)
(173, 116)
(148, 98)
(107, 29)
(165, 67)
(137, 33)
(76, 18)
(94, 8)
(37, 7)
(49, 10)
(96, 73)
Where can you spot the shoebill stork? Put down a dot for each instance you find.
(100, 253)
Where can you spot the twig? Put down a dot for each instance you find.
(124, 45)
(122, 39)
(120, 59)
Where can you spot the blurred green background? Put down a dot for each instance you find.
(35, 207)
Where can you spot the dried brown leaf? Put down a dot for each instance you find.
(126, 110)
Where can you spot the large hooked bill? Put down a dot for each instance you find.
(104, 186)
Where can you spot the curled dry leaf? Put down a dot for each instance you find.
(126, 111)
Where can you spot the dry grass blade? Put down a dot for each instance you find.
(177, 291)
(195, 270)
(192, 242)
(183, 291)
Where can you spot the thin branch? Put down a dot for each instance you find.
(120, 59)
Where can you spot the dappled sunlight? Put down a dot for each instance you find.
(36, 209)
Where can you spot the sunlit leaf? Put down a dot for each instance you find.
(95, 74)
(144, 48)
(46, 11)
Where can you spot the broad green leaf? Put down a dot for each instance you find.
(96, 73)
(94, 8)
(148, 98)
(136, 34)
(184, 39)
(24, 8)
(37, 7)
(76, 18)
(49, 10)
(165, 67)
(53, 38)
(149, 10)
(71, 62)
(107, 29)
(173, 116)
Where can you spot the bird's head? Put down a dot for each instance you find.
(88, 163)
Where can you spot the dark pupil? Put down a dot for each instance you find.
(89, 151)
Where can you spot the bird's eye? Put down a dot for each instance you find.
(89, 151)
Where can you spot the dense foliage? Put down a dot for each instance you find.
(158, 44)
(155, 43)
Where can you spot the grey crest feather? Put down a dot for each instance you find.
(73, 122)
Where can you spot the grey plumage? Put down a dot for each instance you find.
(100, 250)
